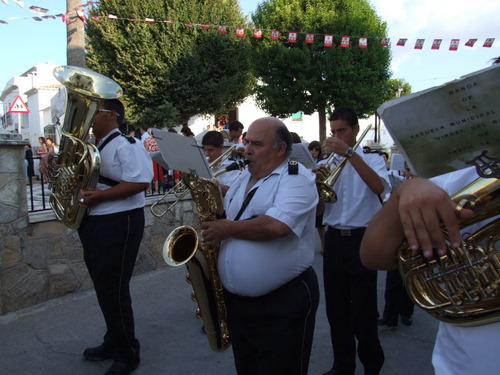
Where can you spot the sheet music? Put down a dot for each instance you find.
(448, 127)
(301, 153)
(182, 153)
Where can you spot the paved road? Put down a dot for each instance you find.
(49, 338)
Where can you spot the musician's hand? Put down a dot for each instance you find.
(89, 198)
(423, 207)
(214, 232)
(336, 145)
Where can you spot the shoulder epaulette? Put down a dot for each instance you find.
(293, 167)
(130, 139)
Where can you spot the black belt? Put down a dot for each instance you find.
(354, 232)
(246, 298)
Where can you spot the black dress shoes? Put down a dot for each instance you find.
(97, 353)
(122, 368)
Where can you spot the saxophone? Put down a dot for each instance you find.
(184, 246)
(76, 167)
(461, 287)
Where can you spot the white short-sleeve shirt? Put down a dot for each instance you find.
(254, 268)
(356, 203)
(465, 350)
(123, 161)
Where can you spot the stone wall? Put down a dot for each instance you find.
(40, 258)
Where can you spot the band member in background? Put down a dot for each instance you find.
(351, 288)
(266, 255)
(415, 211)
(213, 146)
(111, 234)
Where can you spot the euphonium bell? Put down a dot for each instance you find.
(461, 287)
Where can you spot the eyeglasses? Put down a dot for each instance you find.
(107, 110)
(339, 132)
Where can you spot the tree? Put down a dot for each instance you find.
(171, 71)
(396, 88)
(310, 77)
(75, 51)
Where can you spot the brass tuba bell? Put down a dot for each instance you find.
(77, 165)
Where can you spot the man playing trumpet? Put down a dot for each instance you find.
(351, 288)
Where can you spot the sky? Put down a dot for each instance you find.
(26, 42)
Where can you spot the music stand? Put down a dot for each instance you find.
(182, 153)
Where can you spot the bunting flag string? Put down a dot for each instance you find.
(327, 40)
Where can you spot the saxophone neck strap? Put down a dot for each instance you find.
(247, 200)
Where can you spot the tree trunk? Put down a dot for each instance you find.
(75, 53)
(322, 123)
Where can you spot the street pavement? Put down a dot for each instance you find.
(49, 338)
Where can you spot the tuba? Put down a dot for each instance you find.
(461, 287)
(77, 165)
(326, 178)
(184, 246)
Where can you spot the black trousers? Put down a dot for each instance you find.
(397, 300)
(110, 247)
(351, 304)
(272, 334)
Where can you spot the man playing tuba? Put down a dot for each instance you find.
(111, 233)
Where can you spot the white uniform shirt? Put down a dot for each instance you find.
(356, 203)
(123, 161)
(227, 178)
(465, 350)
(254, 268)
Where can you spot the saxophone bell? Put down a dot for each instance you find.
(180, 246)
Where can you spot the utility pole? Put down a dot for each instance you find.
(75, 52)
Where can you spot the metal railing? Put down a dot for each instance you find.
(38, 191)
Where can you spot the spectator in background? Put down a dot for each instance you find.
(295, 138)
(158, 172)
(186, 131)
(315, 149)
(42, 149)
(143, 129)
(233, 135)
(52, 147)
(28, 162)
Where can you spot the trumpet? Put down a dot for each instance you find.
(179, 191)
(326, 178)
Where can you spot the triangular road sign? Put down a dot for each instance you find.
(19, 106)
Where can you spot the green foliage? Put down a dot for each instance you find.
(170, 72)
(311, 77)
(396, 88)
